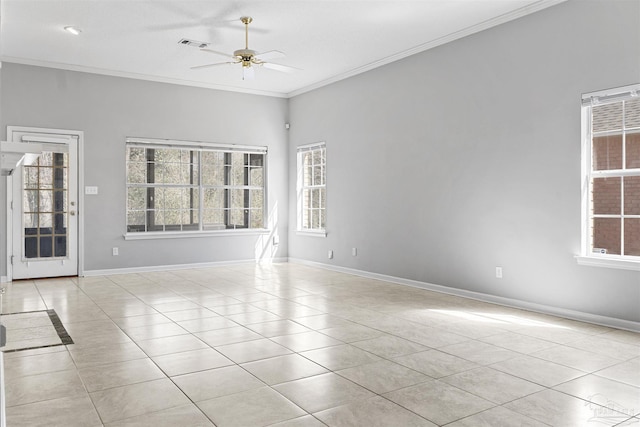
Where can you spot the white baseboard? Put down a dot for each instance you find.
(508, 302)
(154, 268)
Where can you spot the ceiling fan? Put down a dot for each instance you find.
(249, 58)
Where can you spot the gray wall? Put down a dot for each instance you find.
(3, 202)
(108, 109)
(451, 162)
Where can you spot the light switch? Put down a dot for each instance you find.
(90, 190)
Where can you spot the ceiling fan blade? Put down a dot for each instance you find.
(280, 67)
(218, 53)
(197, 67)
(248, 73)
(272, 54)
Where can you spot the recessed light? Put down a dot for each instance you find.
(73, 30)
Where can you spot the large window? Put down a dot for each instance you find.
(612, 178)
(180, 186)
(311, 188)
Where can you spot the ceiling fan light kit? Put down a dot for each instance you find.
(246, 57)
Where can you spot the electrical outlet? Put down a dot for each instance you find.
(90, 190)
(330, 254)
(499, 272)
(354, 251)
(114, 251)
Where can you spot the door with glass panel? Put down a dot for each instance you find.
(44, 208)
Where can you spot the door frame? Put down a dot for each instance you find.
(80, 206)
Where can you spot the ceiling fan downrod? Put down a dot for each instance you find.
(246, 20)
(245, 55)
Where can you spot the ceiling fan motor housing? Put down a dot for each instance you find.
(246, 56)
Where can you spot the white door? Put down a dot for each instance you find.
(44, 206)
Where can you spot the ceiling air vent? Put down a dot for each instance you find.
(195, 43)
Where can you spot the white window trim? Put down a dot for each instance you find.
(173, 143)
(154, 235)
(587, 257)
(312, 233)
(607, 262)
(299, 230)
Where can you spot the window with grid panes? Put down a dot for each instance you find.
(613, 208)
(194, 188)
(311, 186)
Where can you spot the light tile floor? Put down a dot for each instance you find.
(291, 345)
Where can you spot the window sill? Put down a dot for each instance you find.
(608, 262)
(312, 233)
(193, 234)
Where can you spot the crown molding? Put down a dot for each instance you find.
(502, 19)
(137, 76)
(519, 13)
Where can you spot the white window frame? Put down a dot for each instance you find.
(587, 256)
(199, 146)
(300, 187)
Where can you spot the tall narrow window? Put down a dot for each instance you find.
(612, 166)
(181, 187)
(233, 185)
(311, 188)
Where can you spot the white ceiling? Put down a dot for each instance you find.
(327, 39)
